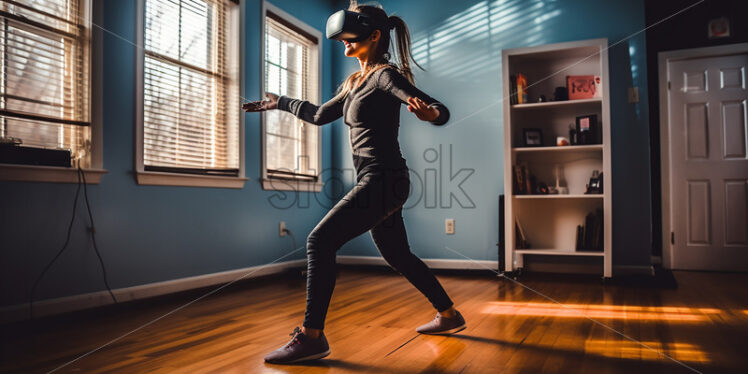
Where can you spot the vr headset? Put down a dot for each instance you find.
(349, 26)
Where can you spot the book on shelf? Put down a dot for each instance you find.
(590, 236)
(524, 182)
(517, 180)
(580, 237)
(589, 228)
(599, 230)
(520, 239)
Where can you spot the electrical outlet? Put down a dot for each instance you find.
(282, 229)
(449, 226)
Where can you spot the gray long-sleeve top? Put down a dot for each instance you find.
(372, 111)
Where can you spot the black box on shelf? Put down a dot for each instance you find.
(18, 154)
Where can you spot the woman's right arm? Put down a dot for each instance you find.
(394, 83)
(308, 112)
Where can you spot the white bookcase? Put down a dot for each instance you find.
(549, 222)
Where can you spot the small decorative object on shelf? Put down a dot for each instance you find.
(541, 189)
(542, 99)
(572, 135)
(596, 183)
(562, 141)
(558, 188)
(560, 94)
(587, 129)
(522, 89)
(598, 86)
(532, 137)
(518, 89)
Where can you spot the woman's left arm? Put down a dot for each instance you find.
(397, 85)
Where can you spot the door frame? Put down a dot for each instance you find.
(663, 63)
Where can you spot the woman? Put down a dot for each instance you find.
(370, 102)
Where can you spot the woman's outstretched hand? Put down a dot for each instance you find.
(422, 110)
(262, 105)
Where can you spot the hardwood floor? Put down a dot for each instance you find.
(700, 327)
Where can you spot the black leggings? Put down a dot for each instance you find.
(374, 204)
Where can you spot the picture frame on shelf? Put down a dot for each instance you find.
(587, 129)
(532, 137)
(583, 86)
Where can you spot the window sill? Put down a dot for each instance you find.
(49, 174)
(279, 184)
(155, 178)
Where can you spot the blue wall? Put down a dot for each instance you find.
(154, 233)
(464, 72)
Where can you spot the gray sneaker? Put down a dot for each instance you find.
(300, 348)
(443, 325)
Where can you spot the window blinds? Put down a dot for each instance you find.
(291, 68)
(191, 95)
(44, 79)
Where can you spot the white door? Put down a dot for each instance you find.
(708, 163)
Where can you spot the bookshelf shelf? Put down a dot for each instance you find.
(557, 252)
(553, 196)
(565, 148)
(551, 104)
(550, 222)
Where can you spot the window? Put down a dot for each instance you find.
(45, 75)
(291, 67)
(191, 123)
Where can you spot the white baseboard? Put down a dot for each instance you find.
(19, 312)
(433, 263)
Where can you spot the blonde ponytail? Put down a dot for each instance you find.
(402, 43)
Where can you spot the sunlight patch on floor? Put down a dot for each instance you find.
(631, 312)
(646, 350)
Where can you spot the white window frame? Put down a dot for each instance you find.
(156, 178)
(276, 183)
(61, 174)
